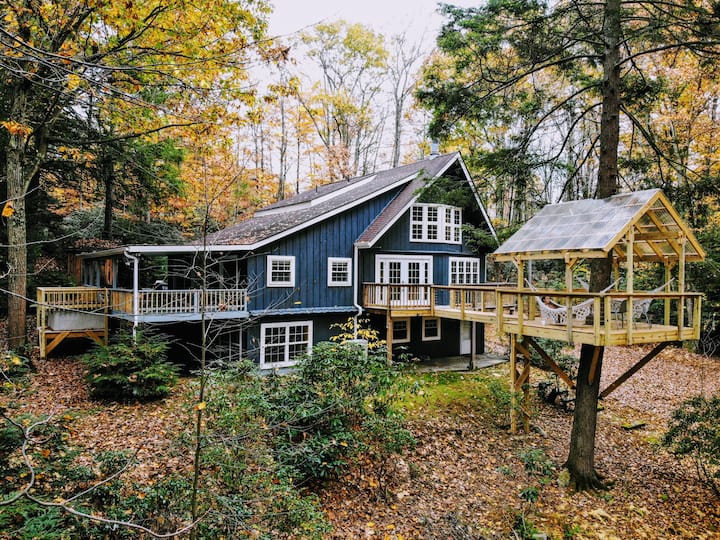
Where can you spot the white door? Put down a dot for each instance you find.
(465, 337)
(404, 270)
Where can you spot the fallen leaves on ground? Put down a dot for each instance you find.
(465, 477)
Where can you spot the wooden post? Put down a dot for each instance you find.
(681, 284)
(513, 382)
(630, 273)
(473, 344)
(666, 308)
(608, 319)
(569, 263)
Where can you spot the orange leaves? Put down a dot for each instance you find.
(8, 210)
(16, 128)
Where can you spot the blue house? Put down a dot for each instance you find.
(381, 246)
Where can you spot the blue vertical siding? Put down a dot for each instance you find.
(311, 248)
(397, 241)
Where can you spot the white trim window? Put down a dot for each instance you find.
(339, 272)
(430, 329)
(281, 344)
(436, 223)
(280, 271)
(401, 331)
(465, 271)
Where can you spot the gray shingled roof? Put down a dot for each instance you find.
(315, 205)
(593, 227)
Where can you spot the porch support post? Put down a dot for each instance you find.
(666, 308)
(522, 382)
(473, 344)
(630, 285)
(513, 383)
(681, 284)
(569, 264)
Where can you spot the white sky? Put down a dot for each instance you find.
(385, 16)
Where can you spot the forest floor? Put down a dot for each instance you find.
(466, 474)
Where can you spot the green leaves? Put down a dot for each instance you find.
(694, 432)
(130, 369)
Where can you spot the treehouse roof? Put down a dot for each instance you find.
(594, 228)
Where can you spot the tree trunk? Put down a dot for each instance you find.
(17, 246)
(16, 224)
(581, 457)
(397, 132)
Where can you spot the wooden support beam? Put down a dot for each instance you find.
(522, 383)
(513, 380)
(634, 369)
(526, 396)
(473, 345)
(57, 340)
(549, 361)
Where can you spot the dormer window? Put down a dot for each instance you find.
(435, 223)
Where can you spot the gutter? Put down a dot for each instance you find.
(136, 287)
(356, 286)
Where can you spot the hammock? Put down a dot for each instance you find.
(554, 313)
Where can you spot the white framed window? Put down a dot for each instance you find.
(431, 329)
(280, 271)
(339, 273)
(401, 331)
(436, 223)
(465, 271)
(281, 344)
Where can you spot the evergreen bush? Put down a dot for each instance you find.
(130, 369)
(694, 432)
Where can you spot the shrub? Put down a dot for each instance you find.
(694, 432)
(130, 369)
(335, 404)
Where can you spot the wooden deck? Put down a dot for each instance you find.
(520, 315)
(83, 312)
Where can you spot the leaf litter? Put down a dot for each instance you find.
(465, 478)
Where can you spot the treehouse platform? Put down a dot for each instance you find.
(678, 314)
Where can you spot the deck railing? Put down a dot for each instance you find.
(80, 299)
(149, 302)
(407, 297)
(179, 301)
(608, 317)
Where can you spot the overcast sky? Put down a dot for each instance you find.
(385, 16)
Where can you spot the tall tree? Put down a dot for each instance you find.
(353, 62)
(591, 51)
(402, 74)
(58, 54)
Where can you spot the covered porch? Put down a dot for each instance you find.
(84, 312)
